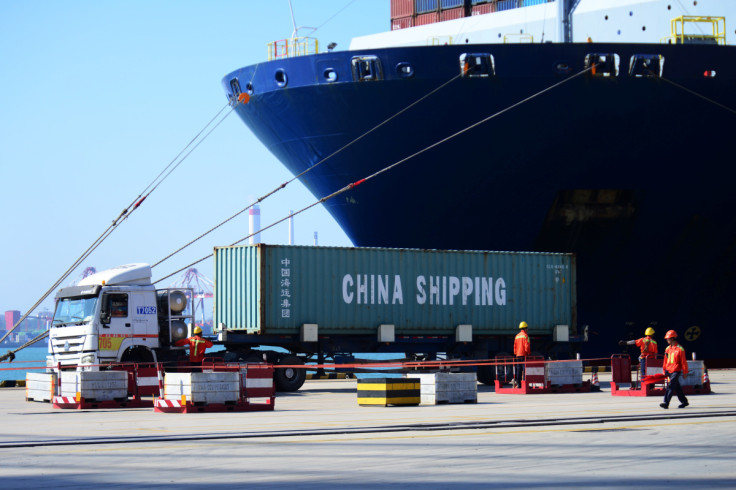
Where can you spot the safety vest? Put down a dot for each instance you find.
(675, 359)
(522, 346)
(197, 347)
(648, 346)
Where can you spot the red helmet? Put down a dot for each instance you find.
(671, 334)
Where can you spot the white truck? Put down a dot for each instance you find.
(117, 315)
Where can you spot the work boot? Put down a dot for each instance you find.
(683, 405)
(664, 405)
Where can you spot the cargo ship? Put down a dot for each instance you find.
(597, 127)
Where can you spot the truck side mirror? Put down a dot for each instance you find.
(105, 311)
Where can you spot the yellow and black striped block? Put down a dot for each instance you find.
(389, 391)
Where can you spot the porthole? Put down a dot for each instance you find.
(330, 75)
(405, 70)
(280, 77)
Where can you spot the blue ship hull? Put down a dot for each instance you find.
(630, 173)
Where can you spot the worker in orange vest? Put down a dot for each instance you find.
(675, 365)
(522, 348)
(648, 347)
(197, 346)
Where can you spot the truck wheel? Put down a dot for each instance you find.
(137, 354)
(289, 379)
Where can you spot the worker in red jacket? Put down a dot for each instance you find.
(197, 346)
(522, 348)
(648, 347)
(675, 366)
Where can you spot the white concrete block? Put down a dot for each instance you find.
(95, 385)
(564, 372)
(40, 387)
(695, 374)
(447, 387)
(203, 387)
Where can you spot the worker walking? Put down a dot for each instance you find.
(648, 347)
(522, 348)
(675, 366)
(197, 346)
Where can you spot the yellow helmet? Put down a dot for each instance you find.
(197, 330)
(523, 325)
(649, 331)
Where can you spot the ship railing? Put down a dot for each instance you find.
(291, 47)
(518, 38)
(691, 23)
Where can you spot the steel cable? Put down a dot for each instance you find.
(305, 171)
(124, 214)
(389, 167)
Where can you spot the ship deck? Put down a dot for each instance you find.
(320, 438)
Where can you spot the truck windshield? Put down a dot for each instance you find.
(73, 311)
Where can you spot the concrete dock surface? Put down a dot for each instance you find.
(320, 438)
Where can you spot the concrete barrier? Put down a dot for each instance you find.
(215, 387)
(448, 388)
(389, 391)
(561, 373)
(40, 387)
(95, 385)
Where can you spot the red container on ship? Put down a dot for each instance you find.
(425, 19)
(401, 8)
(485, 8)
(451, 14)
(402, 23)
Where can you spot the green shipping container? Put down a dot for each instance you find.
(275, 289)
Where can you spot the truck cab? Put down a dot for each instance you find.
(117, 315)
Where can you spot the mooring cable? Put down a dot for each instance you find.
(389, 167)
(310, 168)
(124, 214)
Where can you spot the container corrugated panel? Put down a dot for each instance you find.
(477, 2)
(506, 5)
(485, 8)
(451, 4)
(529, 3)
(451, 14)
(276, 289)
(402, 23)
(423, 6)
(402, 8)
(425, 19)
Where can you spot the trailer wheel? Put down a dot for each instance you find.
(289, 379)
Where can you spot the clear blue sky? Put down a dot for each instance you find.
(96, 97)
